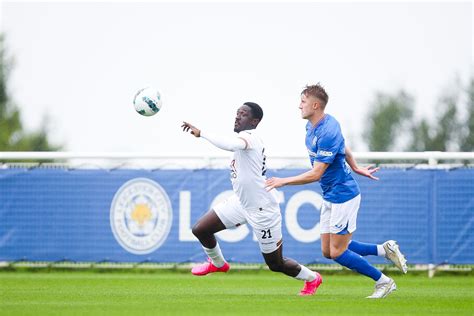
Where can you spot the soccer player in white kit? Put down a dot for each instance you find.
(251, 203)
(328, 155)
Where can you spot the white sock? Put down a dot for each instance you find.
(216, 255)
(306, 274)
(383, 279)
(380, 251)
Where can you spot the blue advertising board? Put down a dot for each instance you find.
(127, 215)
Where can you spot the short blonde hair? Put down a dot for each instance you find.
(318, 92)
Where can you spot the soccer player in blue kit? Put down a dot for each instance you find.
(341, 194)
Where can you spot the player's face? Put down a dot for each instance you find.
(244, 119)
(308, 106)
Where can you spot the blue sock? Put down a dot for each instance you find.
(355, 262)
(362, 248)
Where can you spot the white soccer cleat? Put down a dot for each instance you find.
(383, 289)
(392, 253)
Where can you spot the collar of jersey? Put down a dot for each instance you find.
(314, 127)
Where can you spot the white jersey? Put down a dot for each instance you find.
(248, 173)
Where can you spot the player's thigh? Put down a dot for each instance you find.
(230, 212)
(266, 225)
(209, 223)
(269, 238)
(325, 217)
(343, 219)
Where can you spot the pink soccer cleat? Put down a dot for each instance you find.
(208, 267)
(311, 287)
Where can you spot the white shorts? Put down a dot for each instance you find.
(265, 221)
(339, 218)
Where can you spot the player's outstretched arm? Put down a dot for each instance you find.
(309, 176)
(222, 142)
(363, 171)
(229, 143)
(187, 127)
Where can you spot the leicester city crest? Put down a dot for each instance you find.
(141, 216)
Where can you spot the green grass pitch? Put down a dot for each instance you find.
(237, 292)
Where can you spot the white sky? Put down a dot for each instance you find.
(81, 64)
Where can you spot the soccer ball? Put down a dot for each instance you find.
(147, 101)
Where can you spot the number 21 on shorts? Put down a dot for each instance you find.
(266, 234)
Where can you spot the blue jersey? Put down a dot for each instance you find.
(325, 143)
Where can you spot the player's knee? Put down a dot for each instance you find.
(198, 230)
(326, 251)
(335, 253)
(333, 256)
(326, 254)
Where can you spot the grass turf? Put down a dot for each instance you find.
(242, 293)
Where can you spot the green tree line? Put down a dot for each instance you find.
(391, 125)
(13, 135)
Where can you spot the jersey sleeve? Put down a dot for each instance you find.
(328, 146)
(232, 143)
(247, 137)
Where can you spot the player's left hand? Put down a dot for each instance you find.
(368, 172)
(274, 183)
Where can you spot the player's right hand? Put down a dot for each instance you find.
(274, 183)
(188, 127)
